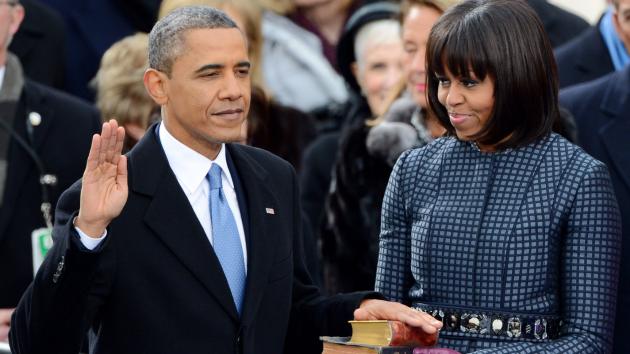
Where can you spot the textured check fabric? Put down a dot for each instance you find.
(226, 241)
(532, 230)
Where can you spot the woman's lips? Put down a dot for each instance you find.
(421, 87)
(458, 118)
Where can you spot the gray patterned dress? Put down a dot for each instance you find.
(526, 233)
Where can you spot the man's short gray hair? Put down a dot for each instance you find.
(166, 39)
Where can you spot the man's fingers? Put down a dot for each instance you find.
(95, 149)
(104, 141)
(122, 171)
(120, 139)
(111, 142)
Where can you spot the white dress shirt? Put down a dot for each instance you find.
(190, 169)
(2, 70)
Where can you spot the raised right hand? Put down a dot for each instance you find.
(104, 190)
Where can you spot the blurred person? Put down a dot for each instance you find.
(44, 139)
(369, 148)
(504, 231)
(188, 228)
(371, 50)
(40, 44)
(600, 108)
(299, 65)
(120, 92)
(92, 26)
(599, 50)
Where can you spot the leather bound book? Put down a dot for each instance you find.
(390, 333)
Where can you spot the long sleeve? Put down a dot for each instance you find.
(393, 275)
(58, 307)
(589, 270)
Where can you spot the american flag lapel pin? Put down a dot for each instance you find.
(270, 211)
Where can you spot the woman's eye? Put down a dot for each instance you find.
(442, 81)
(469, 82)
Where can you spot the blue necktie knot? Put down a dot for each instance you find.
(226, 239)
(214, 176)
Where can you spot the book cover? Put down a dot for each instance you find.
(342, 345)
(390, 333)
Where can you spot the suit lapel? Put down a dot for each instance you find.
(173, 220)
(614, 135)
(254, 180)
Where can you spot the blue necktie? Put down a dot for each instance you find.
(226, 240)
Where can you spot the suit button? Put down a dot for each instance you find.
(60, 266)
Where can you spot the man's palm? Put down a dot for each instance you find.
(104, 190)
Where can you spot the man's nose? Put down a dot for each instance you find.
(231, 89)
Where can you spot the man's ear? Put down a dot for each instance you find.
(17, 15)
(155, 83)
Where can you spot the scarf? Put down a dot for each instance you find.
(616, 49)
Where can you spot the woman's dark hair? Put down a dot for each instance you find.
(505, 40)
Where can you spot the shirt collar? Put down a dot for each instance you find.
(2, 70)
(189, 166)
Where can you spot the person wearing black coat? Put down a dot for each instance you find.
(600, 109)
(584, 58)
(40, 44)
(561, 25)
(57, 128)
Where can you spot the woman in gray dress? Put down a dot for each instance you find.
(503, 230)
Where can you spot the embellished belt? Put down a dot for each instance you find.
(494, 323)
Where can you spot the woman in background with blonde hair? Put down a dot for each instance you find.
(120, 92)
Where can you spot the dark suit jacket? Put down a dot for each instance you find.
(40, 44)
(62, 141)
(156, 285)
(560, 25)
(601, 111)
(584, 58)
(92, 26)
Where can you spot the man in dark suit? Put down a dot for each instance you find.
(190, 244)
(40, 44)
(560, 25)
(43, 132)
(597, 51)
(601, 111)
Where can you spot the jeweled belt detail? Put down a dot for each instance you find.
(498, 324)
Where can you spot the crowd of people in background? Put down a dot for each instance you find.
(341, 90)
